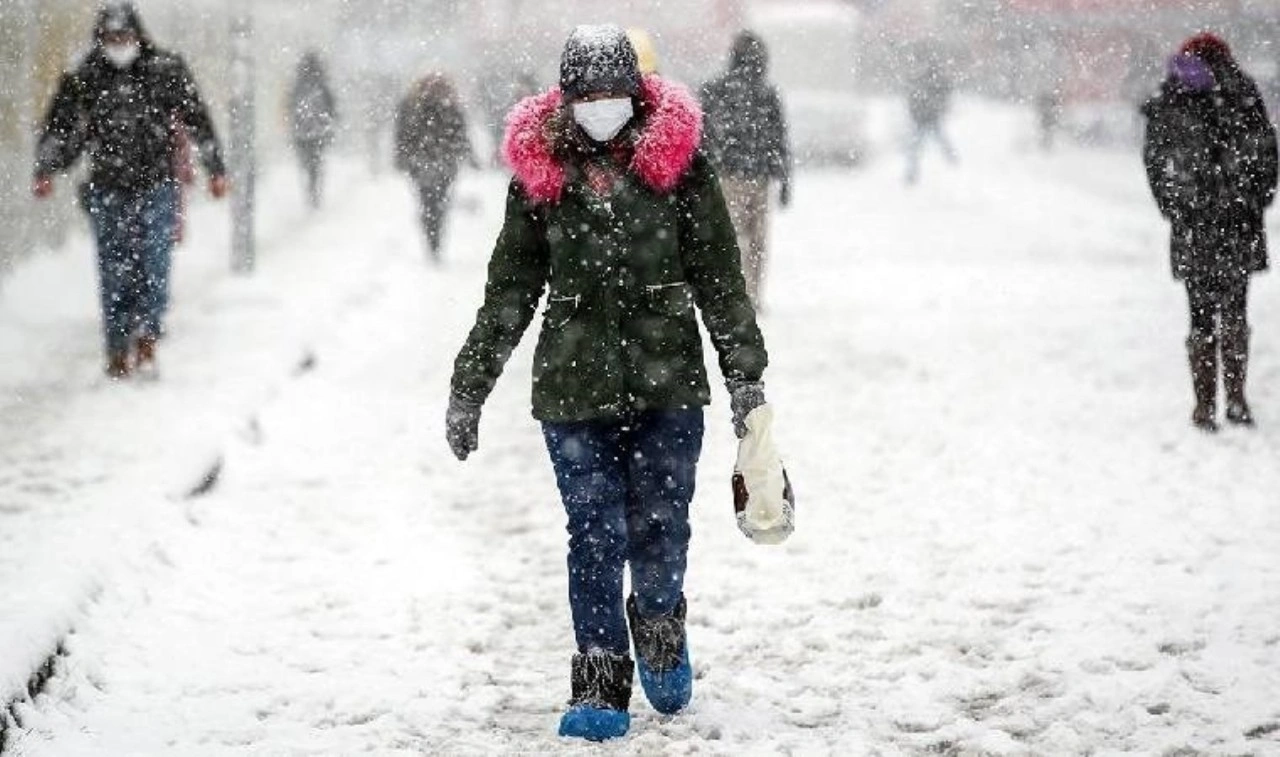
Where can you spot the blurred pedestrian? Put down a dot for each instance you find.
(1048, 115)
(1048, 107)
(927, 104)
(119, 106)
(313, 116)
(431, 144)
(615, 210)
(1211, 162)
(746, 139)
(646, 50)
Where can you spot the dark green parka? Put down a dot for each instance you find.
(626, 273)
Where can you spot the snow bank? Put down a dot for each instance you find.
(93, 474)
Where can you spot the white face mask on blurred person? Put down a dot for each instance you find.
(602, 120)
(122, 56)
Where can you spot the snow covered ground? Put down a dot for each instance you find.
(1010, 539)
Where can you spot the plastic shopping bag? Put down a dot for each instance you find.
(762, 495)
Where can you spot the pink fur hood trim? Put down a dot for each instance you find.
(663, 152)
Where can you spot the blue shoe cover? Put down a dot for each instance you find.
(594, 723)
(669, 692)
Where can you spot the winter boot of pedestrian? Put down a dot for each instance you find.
(145, 354)
(1235, 368)
(598, 710)
(118, 366)
(662, 656)
(1202, 351)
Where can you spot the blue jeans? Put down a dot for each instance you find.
(134, 233)
(626, 486)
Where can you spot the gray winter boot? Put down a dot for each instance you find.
(1235, 367)
(1202, 351)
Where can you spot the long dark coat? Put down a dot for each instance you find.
(313, 110)
(1212, 166)
(431, 132)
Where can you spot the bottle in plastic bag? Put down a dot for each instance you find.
(763, 499)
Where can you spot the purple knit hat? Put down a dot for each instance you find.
(1191, 73)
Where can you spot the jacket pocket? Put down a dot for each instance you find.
(672, 300)
(560, 310)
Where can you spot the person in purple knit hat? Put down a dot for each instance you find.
(1211, 161)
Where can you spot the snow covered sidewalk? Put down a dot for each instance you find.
(90, 471)
(1009, 539)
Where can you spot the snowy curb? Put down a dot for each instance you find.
(31, 657)
(35, 685)
(44, 654)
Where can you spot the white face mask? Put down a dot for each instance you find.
(122, 56)
(602, 120)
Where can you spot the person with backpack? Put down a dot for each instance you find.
(615, 212)
(120, 106)
(1211, 162)
(313, 116)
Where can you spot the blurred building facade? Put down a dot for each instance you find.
(1098, 50)
(40, 39)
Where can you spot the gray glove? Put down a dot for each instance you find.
(462, 426)
(744, 396)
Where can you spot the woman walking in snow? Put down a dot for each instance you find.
(615, 210)
(1211, 161)
(431, 142)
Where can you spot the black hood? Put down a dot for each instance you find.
(117, 16)
(749, 56)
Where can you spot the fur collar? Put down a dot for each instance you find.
(663, 152)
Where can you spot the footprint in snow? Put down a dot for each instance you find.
(1181, 648)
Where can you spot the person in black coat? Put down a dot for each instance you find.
(1211, 161)
(431, 144)
(121, 106)
(745, 136)
(313, 114)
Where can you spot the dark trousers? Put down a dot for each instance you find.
(433, 199)
(1221, 298)
(626, 487)
(134, 233)
(311, 156)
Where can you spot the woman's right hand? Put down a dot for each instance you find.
(744, 396)
(462, 426)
